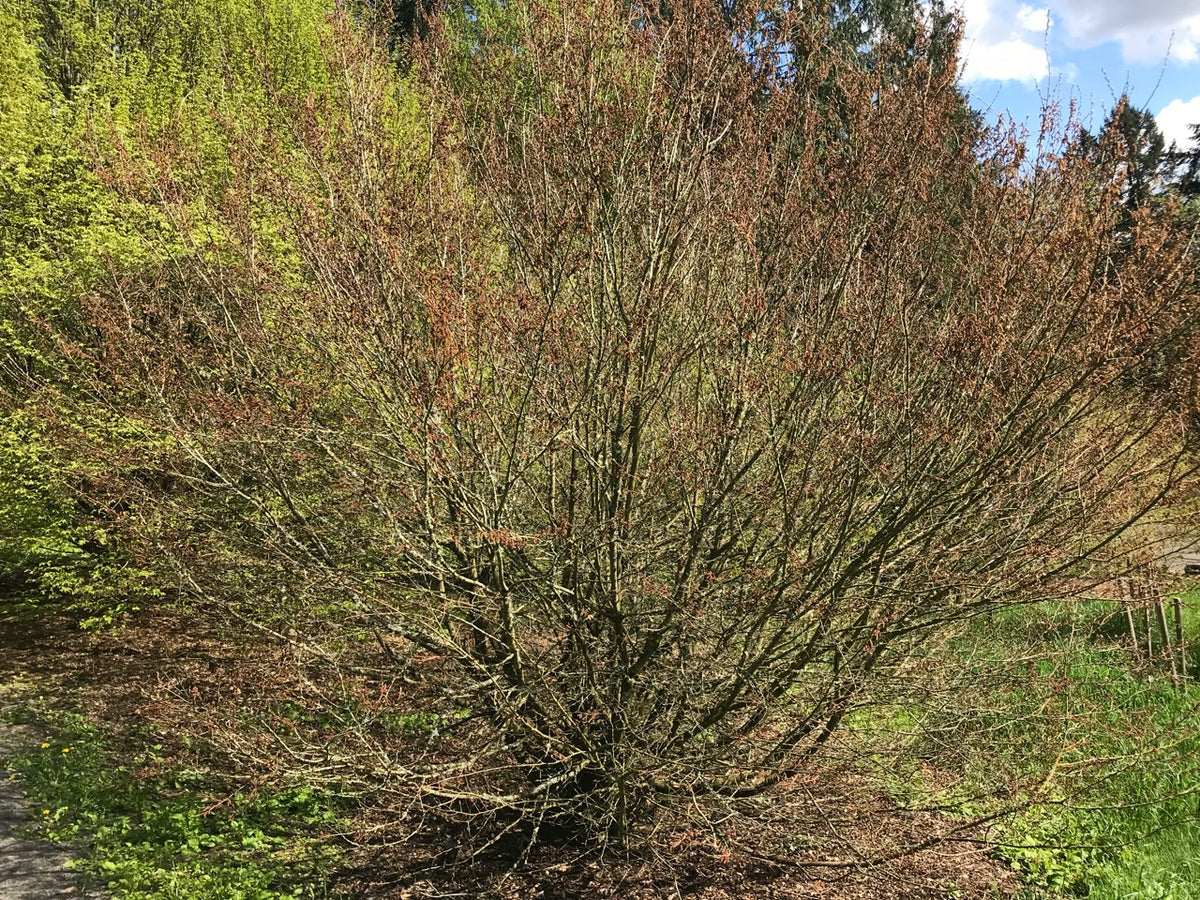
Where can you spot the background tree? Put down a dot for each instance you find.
(1186, 165)
(1134, 153)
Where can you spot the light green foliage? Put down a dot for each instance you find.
(103, 95)
(35, 514)
(156, 831)
(98, 102)
(22, 101)
(48, 546)
(150, 59)
(56, 231)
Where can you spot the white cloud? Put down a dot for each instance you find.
(977, 13)
(1003, 41)
(1004, 38)
(1013, 60)
(1069, 71)
(1033, 19)
(1176, 119)
(1147, 30)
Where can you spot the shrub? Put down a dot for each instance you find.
(671, 384)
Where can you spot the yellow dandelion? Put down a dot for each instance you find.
(66, 749)
(45, 744)
(45, 812)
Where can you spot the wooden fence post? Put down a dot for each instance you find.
(1177, 602)
(1161, 614)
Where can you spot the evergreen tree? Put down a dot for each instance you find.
(1136, 152)
(1185, 165)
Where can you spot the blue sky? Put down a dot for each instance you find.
(1020, 53)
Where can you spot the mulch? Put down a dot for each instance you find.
(205, 682)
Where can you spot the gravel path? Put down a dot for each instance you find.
(1183, 556)
(29, 869)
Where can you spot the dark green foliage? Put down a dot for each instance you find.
(401, 20)
(1130, 148)
(1143, 146)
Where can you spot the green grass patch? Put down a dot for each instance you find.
(153, 830)
(1117, 811)
(1044, 712)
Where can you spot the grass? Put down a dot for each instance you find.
(1115, 754)
(1044, 713)
(154, 829)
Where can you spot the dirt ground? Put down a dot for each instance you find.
(831, 835)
